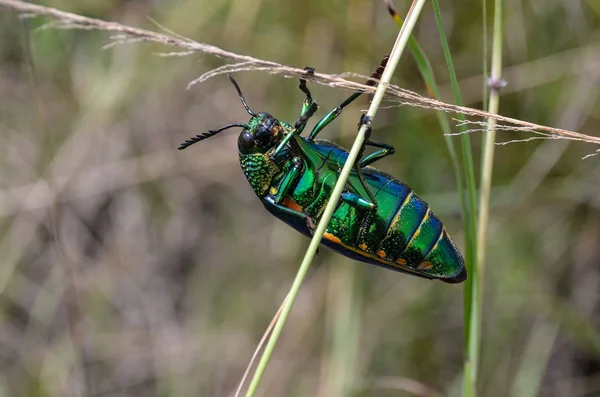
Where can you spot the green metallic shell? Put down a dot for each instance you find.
(259, 171)
(403, 234)
(377, 220)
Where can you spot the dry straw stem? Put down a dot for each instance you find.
(127, 35)
(258, 347)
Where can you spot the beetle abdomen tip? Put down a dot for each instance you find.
(459, 278)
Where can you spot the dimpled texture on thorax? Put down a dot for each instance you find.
(260, 170)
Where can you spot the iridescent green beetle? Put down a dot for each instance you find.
(378, 220)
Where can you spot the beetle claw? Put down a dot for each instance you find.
(311, 225)
(311, 228)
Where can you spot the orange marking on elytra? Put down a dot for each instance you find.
(332, 238)
(426, 265)
(399, 261)
(381, 254)
(291, 204)
(363, 246)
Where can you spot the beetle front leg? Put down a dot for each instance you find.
(297, 166)
(309, 99)
(309, 106)
(284, 188)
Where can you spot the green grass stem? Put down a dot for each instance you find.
(468, 202)
(484, 50)
(395, 54)
(426, 71)
(485, 187)
(490, 137)
(472, 285)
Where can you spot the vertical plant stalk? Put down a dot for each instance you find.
(471, 301)
(484, 50)
(487, 166)
(490, 135)
(467, 201)
(399, 45)
(426, 71)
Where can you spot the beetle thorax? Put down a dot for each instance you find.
(260, 170)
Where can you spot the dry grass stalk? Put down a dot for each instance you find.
(127, 35)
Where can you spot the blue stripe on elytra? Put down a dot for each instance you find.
(434, 224)
(421, 208)
(403, 192)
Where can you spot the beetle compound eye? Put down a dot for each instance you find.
(263, 135)
(245, 141)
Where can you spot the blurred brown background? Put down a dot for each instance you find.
(131, 269)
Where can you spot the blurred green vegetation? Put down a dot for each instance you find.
(129, 268)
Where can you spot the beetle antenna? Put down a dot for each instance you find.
(237, 87)
(208, 134)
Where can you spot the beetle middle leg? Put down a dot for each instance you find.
(358, 201)
(333, 114)
(385, 151)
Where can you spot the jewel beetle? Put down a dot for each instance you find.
(378, 220)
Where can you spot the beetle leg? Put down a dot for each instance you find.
(283, 189)
(308, 100)
(332, 115)
(386, 150)
(372, 203)
(328, 118)
(288, 179)
(365, 120)
(309, 106)
(356, 201)
(310, 223)
(303, 119)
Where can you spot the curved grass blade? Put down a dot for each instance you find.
(472, 296)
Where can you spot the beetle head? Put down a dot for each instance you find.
(264, 132)
(260, 134)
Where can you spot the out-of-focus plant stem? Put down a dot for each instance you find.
(495, 84)
(471, 300)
